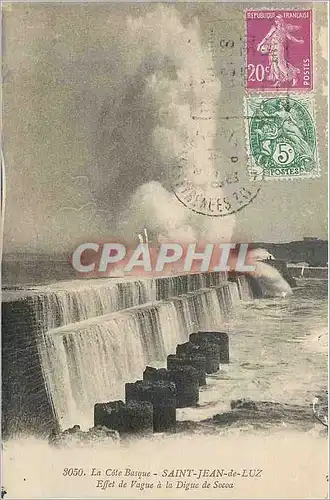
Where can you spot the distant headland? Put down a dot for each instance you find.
(310, 250)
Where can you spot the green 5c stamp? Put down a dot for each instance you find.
(281, 137)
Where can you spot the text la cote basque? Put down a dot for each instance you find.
(179, 473)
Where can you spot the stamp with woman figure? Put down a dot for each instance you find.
(281, 136)
(279, 50)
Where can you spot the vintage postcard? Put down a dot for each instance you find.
(164, 248)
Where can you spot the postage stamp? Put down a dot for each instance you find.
(279, 50)
(281, 136)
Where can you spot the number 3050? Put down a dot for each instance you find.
(73, 472)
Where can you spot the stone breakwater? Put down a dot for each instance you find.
(150, 404)
(71, 344)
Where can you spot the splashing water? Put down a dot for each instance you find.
(91, 360)
(270, 280)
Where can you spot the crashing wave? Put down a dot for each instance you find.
(270, 281)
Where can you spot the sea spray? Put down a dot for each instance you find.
(270, 280)
(168, 72)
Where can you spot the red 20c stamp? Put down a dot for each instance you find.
(279, 50)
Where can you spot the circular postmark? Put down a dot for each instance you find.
(215, 185)
(216, 199)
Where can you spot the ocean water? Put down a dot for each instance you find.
(278, 353)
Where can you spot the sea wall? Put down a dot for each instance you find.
(25, 402)
(66, 302)
(72, 342)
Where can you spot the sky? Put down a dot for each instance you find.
(96, 102)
